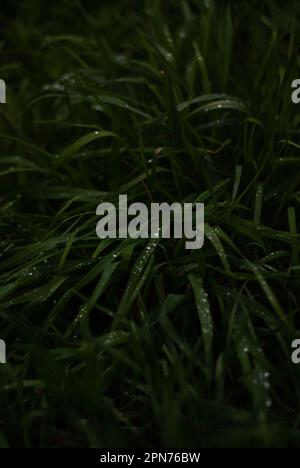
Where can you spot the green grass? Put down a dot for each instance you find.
(133, 343)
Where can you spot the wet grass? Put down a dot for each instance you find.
(135, 343)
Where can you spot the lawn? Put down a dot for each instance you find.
(140, 342)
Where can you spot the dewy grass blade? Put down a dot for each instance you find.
(85, 309)
(225, 104)
(293, 229)
(135, 277)
(237, 181)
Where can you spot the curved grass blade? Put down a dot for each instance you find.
(81, 143)
(204, 313)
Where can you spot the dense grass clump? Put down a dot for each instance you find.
(134, 343)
